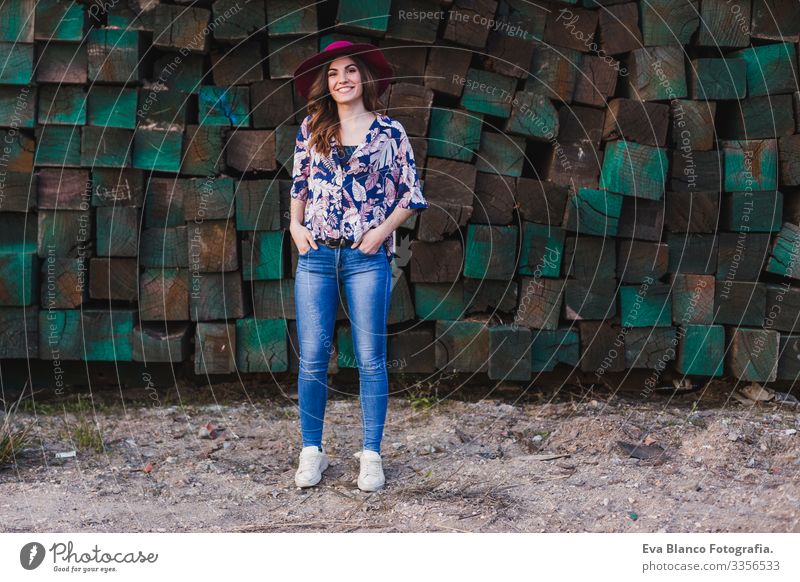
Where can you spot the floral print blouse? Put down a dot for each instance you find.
(345, 198)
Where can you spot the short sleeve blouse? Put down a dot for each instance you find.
(347, 196)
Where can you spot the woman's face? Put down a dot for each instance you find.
(344, 80)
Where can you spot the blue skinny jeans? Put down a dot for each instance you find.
(367, 282)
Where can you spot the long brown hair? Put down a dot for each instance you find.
(324, 123)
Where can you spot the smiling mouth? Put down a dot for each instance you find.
(344, 89)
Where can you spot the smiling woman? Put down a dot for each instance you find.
(354, 182)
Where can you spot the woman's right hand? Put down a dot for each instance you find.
(302, 238)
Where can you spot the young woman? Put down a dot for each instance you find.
(354, 182)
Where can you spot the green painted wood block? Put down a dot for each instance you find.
(634, 169)
(19, 332)
(434, 301)
(113, 55)
(462, 346)
(701, 350)
(501, 153)
(665, 22)
(542, 249)
(59, 330)
(17, 63)
(556, 346)
(59, 21)
(261, 345)
(784, 258)
(258, 205)
(202, 150)
(208, 199)
(164, 247)
(58, 145)
(62, 105)
(712, 79)
(16, 20)
(646, 305)
(534, 116)
(106, 147)
(327, 38)
(594, 212)
(346, 351)
(509, 353)
(489, 93)
(262, 255)
(753, 211)
(88, 334)
(770, 68)
(228, 106)
(108, 334)
(19, 231)
(162, 109)
(286, 18)
(117, 231)
(454, 134)
(753, 354)
(19, 273)
(751, 165)
(371, 18)
(112, 106)
(17, 106)
(491, 251)
(179, 72)
(157, 149)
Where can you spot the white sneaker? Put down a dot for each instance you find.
(371, 477)
(310, 467)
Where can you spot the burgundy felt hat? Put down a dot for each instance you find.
(304, 74)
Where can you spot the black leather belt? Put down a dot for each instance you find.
(336, 242)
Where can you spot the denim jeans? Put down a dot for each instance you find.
(367, 282)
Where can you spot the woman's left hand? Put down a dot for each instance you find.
(371, 241)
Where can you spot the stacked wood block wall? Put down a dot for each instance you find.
(612, 184)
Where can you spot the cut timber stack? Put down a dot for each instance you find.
(612, 185)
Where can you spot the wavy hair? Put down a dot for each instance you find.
(324, 123)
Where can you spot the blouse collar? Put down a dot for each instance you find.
(380, 121)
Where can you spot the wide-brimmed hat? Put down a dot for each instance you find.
(373, 56)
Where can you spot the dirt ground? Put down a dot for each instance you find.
(547, 462)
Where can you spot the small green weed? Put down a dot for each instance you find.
(12, 439)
